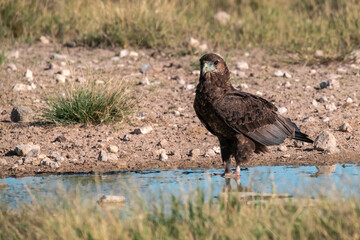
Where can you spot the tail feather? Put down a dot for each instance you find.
(302, 137)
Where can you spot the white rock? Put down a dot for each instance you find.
(111, 199)
(312, 71)
(282, 148)
(65, 72)
(133, 54)
(243, 86)
(57, 56)
(33, 86)
(21, 87)
(114, 59)
(14, 54)
(222, 17)
(194, 42)
(349, 100)
(11, 66)
(242, 65)
(124, 53)
(3, 162)
(188, 87)
(238, 73)
(216, 150)
(163, 156)
(331, 107)
(29, 150)
(44, 40)
(203, 47)
(80, 80)
(145, 81)
(60, 78)
(282, 110)
(259, 93)
(326, 119)
(345, 127)
(287, 84)
(319, 54)
(99, 82)
(341, 70)
(59, 159)
(210, 153)
(112, 148)
(279, 73)
(314, 102)
(28, 74)
(196, 72)
(325, 140)
(194, 152)
(103, 156)
(287, 75)
(54, 164)
(143, 130)
(331, 150)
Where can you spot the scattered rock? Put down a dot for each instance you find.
(312, 71)
(345, 127)
(282, 110)
(99, 82)
(319, 54)
(145, 81)
(194, 152)
(216, 150)
(111, 199)
(325, 140)
(143, 130)
(238, 73)
(331, 107)
(203, 47)
(259, 93)
(279, 73)
(21, 87)
(65, 72)
(59, 159)
(287, 84)
(80, 80)
(354, 56)
(326, 119)
(112, 148)
(44, 40)
(307, 119)
(3, 162)
(123, 53)
(20, 114)
(163, 156)
(145, 68)
(11, 66)
(314, 102)
(163, 143)
(243, 86)
(60, 78)
(349, 100)
(27, 150)
(193, 42)
(14, 54)
(222, 17)
(57, 56)
(54, 164)
(188, 87)
(126, 138)
(323, 99)
(286, 156)
(196, 72)
(103, 156)
(282, 148)
(133, 54)
(210, 153)
(242, 65)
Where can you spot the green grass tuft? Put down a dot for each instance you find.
(92, 103)
(2, 58)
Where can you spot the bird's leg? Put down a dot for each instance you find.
(225, 147)
(237, 171)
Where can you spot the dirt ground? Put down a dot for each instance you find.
(167, 106)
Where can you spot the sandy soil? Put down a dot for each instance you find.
(168, 109)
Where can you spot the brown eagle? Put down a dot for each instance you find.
(244, 123)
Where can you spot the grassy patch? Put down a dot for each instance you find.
(2, 58)
(192, 219)
(301, 26)
(92, 103)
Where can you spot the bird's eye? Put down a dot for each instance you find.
(216, 62)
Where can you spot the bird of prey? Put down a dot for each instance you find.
(244, 123)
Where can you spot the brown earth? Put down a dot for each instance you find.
(168, 109)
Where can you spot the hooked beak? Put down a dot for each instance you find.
(207, 67)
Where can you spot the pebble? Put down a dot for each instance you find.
(143, 130)
(123, 53)
(210, 153)
(103, 156)
(349, 100)
(259, 93)
(325, 140)
(65, 72)
(145, 68)
(163, 143)
(243, 86)
(25, 150)
(112, 148)
(279, 73)
(242, 65)
(111, 199)
(145, 81)
(193, 42)
(133, 54)
(60, 78)
(326, 119)
(331, 107)
(28, 160)
(312, 71)
(126, 138)
(282, 148)
(319, 53)
(287, 84)
(176, 113)
(59, 159)
(57, 56)
(203, 47)
(238, 73)
(216, 150)
(323, 99)
(314, 102)
(163, 156)
(44, 40)
(20, 114)
(11, 66)
(114, 59)
(345, 127)
(188, 87)
(54, 164)
(3, 162)
(194, 152)
(222, 17)
(282, 110)
(286, 156)
(196, 72)
(14, 54)
(21, 87)
(99, 82)
(80, 80)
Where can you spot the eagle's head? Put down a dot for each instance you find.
(212, 63)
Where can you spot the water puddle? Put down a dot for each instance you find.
(303, 181)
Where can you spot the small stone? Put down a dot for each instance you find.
(286, 156)
(193, 42)
(326, 119)
(176, 113)
(103, 156)
(14, 54)
(41, 156)
(123, 53)
(44, 40)
(331, 150)
(145, 81)
(314, 102)
(243, 86)
(54, 154)
(325, 140)
(163, 156)
(341, 70)
(345, 127)
(194, 152)
(188, 87)
(145, 68)
(59, 159)
(222, 17)
(259, 93)
(112, 148)
(3, 162)
(21, 87)
(279, 73)
(57, 56)
(65, 72)
(163, 143)
(238, 73)
(242, 65)
(323, 99)
(133, 54)
(126, 138)
(143, 130)
(287, 75)
(287, 84)
(111, 199)
(282, 148)
(80, 80)
(196, 72)
(114, 59)
(11, 66)
(27, 150)
(349, 100)
(282, 110)
(60, 139)
(98, 82)
(331, 107)
(319, 54)
(210, 153)
(60, 78)
(312, 71)
(20, 114)
(203, 47)
(54, 164)
(216, 150)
